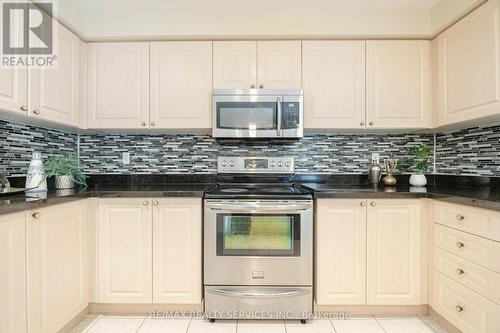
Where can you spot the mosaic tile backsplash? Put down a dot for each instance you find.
(17, 143)
(198, 153)
(473, 151)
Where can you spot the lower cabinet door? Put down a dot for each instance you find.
(340, 252)
(394, 252)
(57, 272)
(124, 258)
(13, 273)
(177, 253)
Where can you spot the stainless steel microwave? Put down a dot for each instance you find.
(257, 113)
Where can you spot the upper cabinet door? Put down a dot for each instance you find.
(334, 84)
(279, 64)
(118, 85)
(235, 65)
(177, 251)
(54, 92)
(398, 84)
(393, 248)
(469, 67)
(181, 84)
(14, 90)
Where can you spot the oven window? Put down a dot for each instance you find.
(268, 235)
(247, 115)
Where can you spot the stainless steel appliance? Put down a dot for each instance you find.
(258, 242)
(257, 113)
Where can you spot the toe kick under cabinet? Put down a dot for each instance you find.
(149, 251)
(368, 252)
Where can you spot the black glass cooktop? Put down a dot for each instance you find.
(285, 191)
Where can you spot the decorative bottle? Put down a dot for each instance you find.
(36, 180)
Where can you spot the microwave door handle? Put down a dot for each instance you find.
(279, 111)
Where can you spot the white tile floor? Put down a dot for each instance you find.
(134, 324)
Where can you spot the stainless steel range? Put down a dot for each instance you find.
(258, 242)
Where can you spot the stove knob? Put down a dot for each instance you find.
(273, 164)
(231, 164)
(280, 164)
(288, 164)
(224, 163)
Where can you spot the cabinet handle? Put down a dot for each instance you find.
(37, 112)
(372, 123)
(261, 86)
(460, 245)
(153, 123)
(373, 203)
(460, 271)
(459, 308)
(24, 108)
(156, 203)
(252, 86)
(145, 203)
(362, 123)
(460, 217)
(362, 204)
(36, 215)
(143, 123)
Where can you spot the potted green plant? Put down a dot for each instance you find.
(418, 165)
(66, 171)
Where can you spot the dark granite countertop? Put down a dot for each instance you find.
(472, 191)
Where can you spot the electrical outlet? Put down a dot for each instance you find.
(376, 157)
(126, 158)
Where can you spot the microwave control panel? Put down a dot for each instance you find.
(290, 115)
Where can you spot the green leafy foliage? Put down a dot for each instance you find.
(420, 161)
(66, 165)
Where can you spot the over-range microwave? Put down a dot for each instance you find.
(257, 113)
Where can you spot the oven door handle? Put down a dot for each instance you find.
(246, 294)
(256, 208)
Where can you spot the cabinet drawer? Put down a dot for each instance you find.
(478, 221)
(479, 250)
(481, 280)
(465, 309)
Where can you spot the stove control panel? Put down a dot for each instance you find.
(255, 164)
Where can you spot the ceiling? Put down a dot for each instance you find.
(212, 19)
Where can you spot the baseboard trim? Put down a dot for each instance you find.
(376, 310)
(443, 322)
(73, 322)
(142, 309)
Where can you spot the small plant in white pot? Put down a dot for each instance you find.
(418, 165)
(66, 171)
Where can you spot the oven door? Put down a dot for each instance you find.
(245, 116)
(259, 242)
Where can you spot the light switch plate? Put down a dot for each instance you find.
(376, 157)
(126, 158)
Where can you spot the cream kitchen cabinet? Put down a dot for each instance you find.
(340, 258)
(177, 253)
(368, 252)
(252, 64)
(57, 270)
(334, 84)
(124, 258)
(13, 273)
(14, 90)
(469, 67)
(55, 92)
(118, 85)
(397, 84)
(181, 84)
(394, 252)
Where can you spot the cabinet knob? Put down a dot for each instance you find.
(373, 203)
(143, 123)
(24, 108)
(145, 203)
(460, 245)
(36, 215)
(460, 271)
(156, 203)
(252, 86)
(362, 123)
(362, 204)
(261, 86)
(459, 308)
(153, 123)
(460, 217)
(37, 112)
(372, 123)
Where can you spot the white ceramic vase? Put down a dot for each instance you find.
(418, 180)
